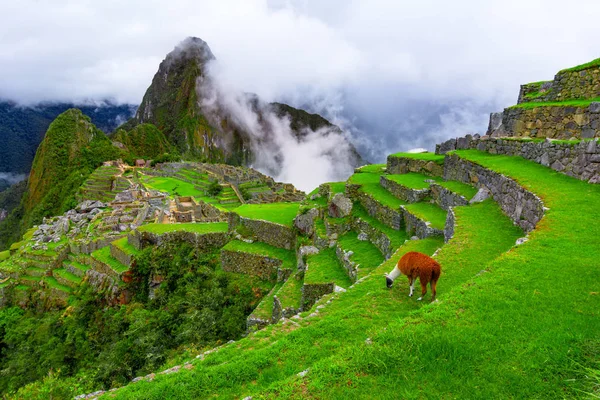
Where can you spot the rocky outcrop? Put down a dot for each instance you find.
(305, 222)
(520, 205)
(450, 223)
(339, 206)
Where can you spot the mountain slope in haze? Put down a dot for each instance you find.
(185, 103)
(22, 128)
(143, 141)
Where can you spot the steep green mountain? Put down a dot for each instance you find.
(72, 148)
(22, 128)
(183, 102)
(144, 141)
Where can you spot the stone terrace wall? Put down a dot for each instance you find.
(141, 240)
(566, 85)
(403, 192)
(264, 231)
(547, 122)
(520, 205)
(251, 264)
(580, 160)
(401, 165)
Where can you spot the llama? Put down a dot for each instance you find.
(414, 265)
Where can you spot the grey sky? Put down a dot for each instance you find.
(403, 72)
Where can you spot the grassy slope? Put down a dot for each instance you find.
(195, 227)
(267, 361)
(460, 188)
(567, 103)
(428, 212)
(173, 186)
(413, 180)
(325, 267)
(365, 253)
(280, 213)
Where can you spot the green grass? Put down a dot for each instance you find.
(209, 227)
(264, 310)
(332, 346)
(467, 191)
(280, 213)
(581, 67)
(4, 255)
(365, 178)
(78, 265)
(566, 103)
(427, 156)
(53, 283)
(373, 168)
(290, 293)
(63, 273)
(320, 228)
(382, 196)
(10, 265)
(428, 212)
(173, 186)
(325, 267)
(123, 244)
(397, 238)
(365, 253)
(103, 255)
(287, 256)
(413, 180)
(337, 187)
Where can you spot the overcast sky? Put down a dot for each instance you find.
(397, 74)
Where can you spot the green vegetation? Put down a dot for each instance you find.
(436, 158)
(413, 180)
(4, 255)
(215, 188)
(566, 103)
(337, 187)
(428, 212)
(290, 293)
(287, 256)
(325, 267)
(373, 168)
(365, 253)
(173, 186)
(144, 141)
(280, 213)
(123, 244)
(265, 308)
(53, 283)
(208, 227)
(103, 255)
(91, 346)
(467, 191)
(581, 67)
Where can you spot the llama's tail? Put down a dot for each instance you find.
(435, 275)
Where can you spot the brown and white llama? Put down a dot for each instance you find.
(416, 265)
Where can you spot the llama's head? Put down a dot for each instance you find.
(388, 281)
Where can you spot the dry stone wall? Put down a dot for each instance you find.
(402, 192)
(251, 264)
(387, 215)
(264, 231)
(401, 165)
(547, 122)
(446, 198)
(375, 236)
(580, 160)
(566, 85)
(418, 227)
(313, 292)
(522, 206)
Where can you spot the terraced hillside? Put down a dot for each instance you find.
(325, 326)
(511, 321)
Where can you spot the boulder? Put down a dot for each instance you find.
(306, 222)
(481, 195)
(340, 206)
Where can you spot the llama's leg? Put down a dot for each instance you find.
(433, 285)
(411, 282)
(423, 290)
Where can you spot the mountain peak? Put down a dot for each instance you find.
(191, 48)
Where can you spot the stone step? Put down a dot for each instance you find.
(76, 268)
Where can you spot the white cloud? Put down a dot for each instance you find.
(377, 65)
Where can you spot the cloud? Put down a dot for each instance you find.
(306, 159)
(377, 66)
(11, 178)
